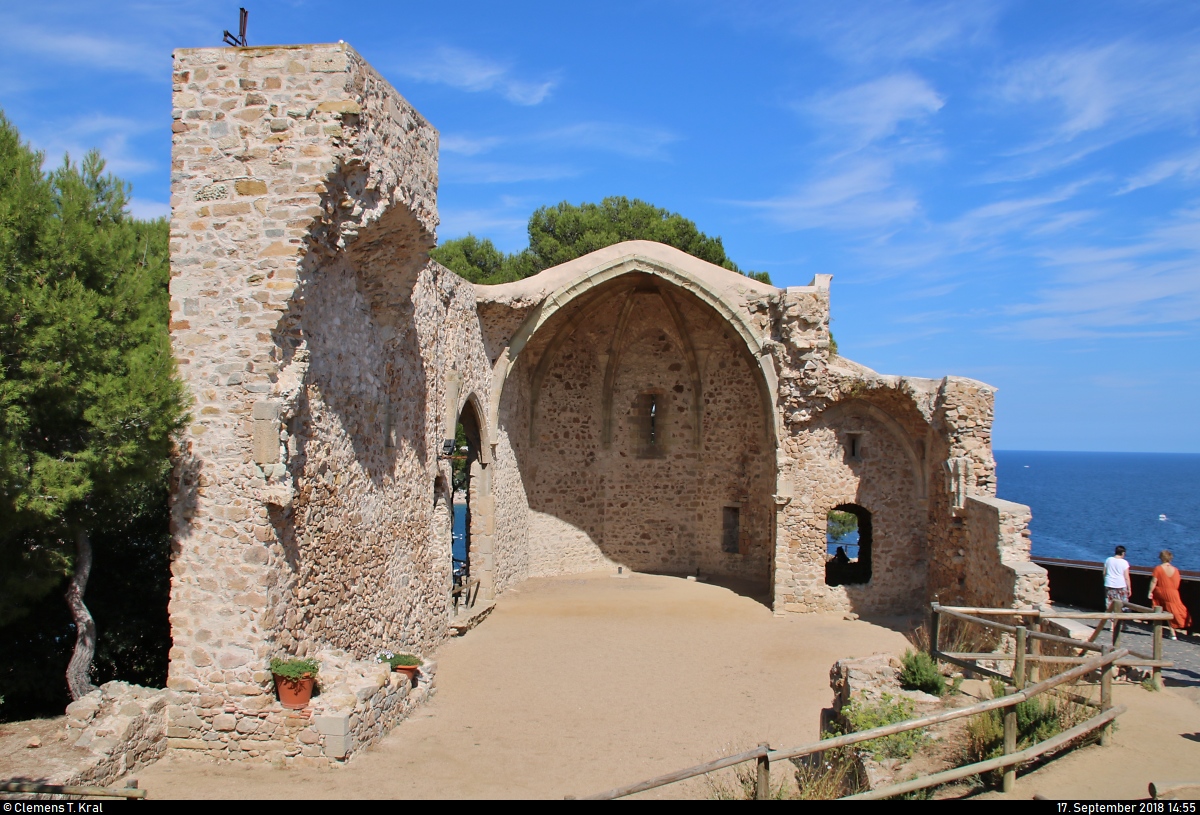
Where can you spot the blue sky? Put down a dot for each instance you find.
(1003, 190)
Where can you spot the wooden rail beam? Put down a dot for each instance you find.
(1062, 739)
(68, 789)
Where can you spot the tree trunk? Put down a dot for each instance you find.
(78, 679)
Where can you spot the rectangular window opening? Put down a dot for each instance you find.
(731, 532)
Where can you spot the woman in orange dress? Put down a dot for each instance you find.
(1164, 592)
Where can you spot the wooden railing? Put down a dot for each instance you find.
(129, 791)
(1027, 655)
(1009, 760)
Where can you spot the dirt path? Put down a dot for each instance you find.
(1158, 739)
(575, 685)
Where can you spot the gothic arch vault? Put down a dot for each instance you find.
(641, 412)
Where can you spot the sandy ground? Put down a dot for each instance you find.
(1158, 739)
(576, 685)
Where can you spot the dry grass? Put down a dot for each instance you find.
(957, 636)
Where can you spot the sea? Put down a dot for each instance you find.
(1085, 504)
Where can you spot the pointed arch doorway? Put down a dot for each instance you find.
(472, 557)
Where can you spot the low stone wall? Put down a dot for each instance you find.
(124, 727)
(358, 704)
(999, 573)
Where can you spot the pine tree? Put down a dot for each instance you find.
(89, 400)
(564, 232)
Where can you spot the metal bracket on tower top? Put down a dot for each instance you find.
(240, 40)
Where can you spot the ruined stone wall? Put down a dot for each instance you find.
(996, 568)
(658, 509)
(315, 337)
(961, 465)
(881, 480)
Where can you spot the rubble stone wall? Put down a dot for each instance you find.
(316, 339)
(649, 506)
(122, 727)
(996, 561)
(328, 358)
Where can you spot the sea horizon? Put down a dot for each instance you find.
(1085, 503)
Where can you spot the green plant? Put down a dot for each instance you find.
(1148, 684)
(1038, 719)
(394, 660)
(828, 775)
(920, 672)
(294, 669)
(861, 716)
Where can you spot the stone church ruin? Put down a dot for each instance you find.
(635, 408)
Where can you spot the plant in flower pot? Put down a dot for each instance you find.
(406, 664)
(294, 680)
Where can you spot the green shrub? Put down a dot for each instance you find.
(406, 660)
(861, 716)
(828, 775)
(1038, 719)
(294, 669)
(920, 672)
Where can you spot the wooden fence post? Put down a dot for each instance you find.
(1035, 648)
(1106, 698)
(934, 622)
(1158, 652)
(1010, 713)
(762, 786)
(1019, 661)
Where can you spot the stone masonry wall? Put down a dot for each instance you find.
(995, 561)
(657, 509)
(328, 358)
(316, 338)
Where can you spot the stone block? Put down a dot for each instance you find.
(332, 725)
(224, 722)
(250, 186)
(337, 746)
(341, 106)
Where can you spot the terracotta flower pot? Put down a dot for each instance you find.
(410, 671)
(294, 694)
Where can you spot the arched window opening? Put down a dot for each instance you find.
(649, 413)
(463, 465)
(848, 545)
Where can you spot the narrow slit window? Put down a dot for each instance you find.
(731, 531)
(854, 446)
(650, 423)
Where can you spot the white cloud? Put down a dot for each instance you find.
(1117, 90)
(878, 32)
(148, 210)
(856, 195)
(1149, 286)
(109, 134)
(875, 110)
(467, 145)
(501, 224)
(473, 73)
(1185, 166)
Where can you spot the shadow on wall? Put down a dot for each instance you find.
(351, 397)
(643, 439)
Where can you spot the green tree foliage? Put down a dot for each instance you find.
(564, 232)
(840, 524)
(89, 400)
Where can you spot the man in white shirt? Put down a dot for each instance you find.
(1117, 587)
